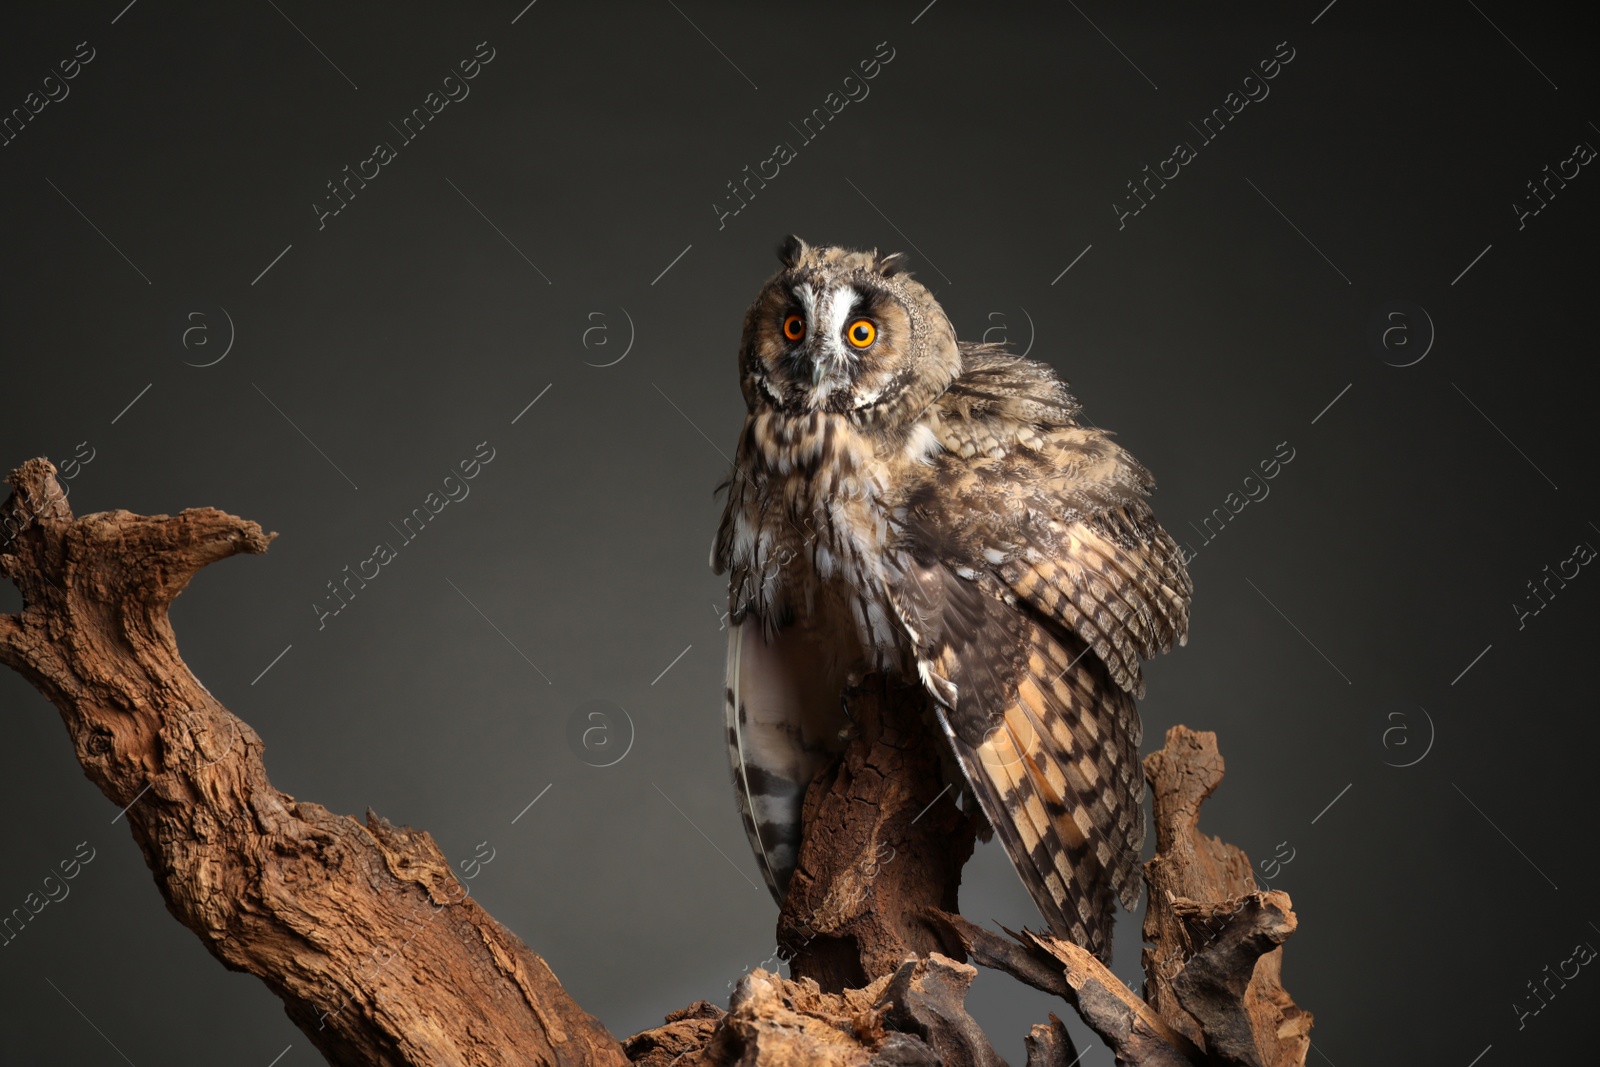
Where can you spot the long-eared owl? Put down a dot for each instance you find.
(931, 509)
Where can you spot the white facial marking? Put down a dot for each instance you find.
(832, 354)
(840, 301)
(808, 300)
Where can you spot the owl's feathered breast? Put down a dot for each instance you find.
(995, 480)
(807, 534)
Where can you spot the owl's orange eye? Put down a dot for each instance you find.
(861, 333)
(794, 327)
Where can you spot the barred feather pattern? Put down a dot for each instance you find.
(1047, 742)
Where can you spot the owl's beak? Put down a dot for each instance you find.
(826, 359)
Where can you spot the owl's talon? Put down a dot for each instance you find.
(854, 682)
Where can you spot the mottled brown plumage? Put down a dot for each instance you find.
(932, 510)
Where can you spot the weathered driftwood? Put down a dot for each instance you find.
(363, 931)
(1049, 1045)
(380, 957)
(913, 1017)
(884, 842)
(1213, 960)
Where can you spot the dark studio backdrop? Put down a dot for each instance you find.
(1345, 276)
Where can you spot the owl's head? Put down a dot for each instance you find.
(846, 332)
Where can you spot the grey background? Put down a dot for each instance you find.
(1328, 617)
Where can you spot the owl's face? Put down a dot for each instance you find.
(845, 332)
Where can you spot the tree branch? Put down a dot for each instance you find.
(317, 905)
(1133, 1029)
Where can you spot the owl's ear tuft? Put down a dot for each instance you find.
(892, 264)
(791, 251)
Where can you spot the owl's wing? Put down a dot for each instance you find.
(783, 721)
(1055, 509)
(1039, 578)
(1046, 741)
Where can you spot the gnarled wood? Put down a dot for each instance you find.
(884, 842)
(915, 1017)
(1136, 1033)
(1219, 988)
(363, 931)
(1049, 1045)
(1202, 901)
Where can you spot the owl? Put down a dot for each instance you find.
(930, 510)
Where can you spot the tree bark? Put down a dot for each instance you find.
(380, 957)
(884, 842)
